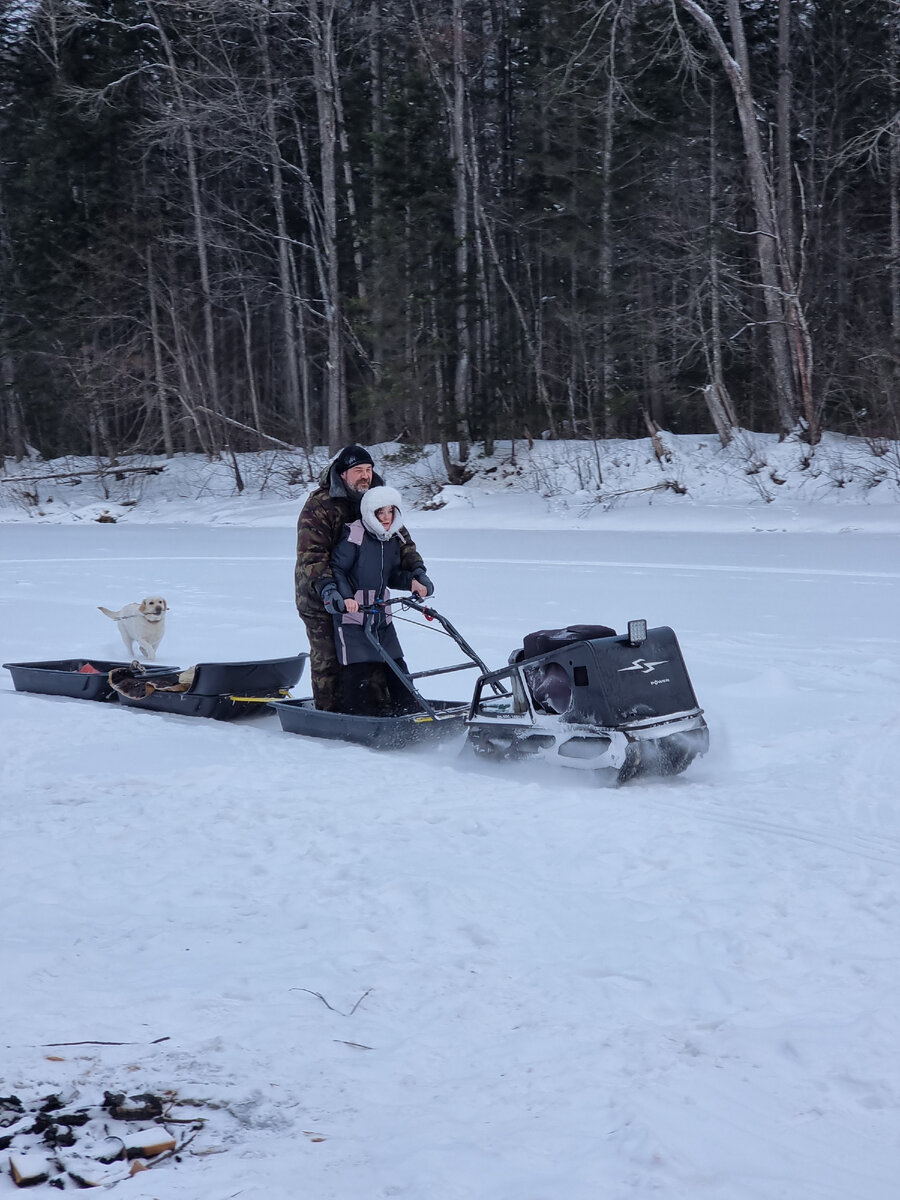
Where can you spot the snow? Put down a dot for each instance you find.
(758, 483)
(397, 975)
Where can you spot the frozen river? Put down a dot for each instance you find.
(683, 989)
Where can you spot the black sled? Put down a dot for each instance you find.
(425, 720)
(77, 678)
(217, 690)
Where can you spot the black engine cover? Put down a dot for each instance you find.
(611, 683)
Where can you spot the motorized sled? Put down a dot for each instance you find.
(587, 698)
(581, 697)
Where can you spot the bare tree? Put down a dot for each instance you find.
(323, 53)
(454, 94)
(785, 174)
(718, 401)
(461, 383)
(894, 195)
(159, 376)
(611, 101)
(197, 207)
(286, 267)
(789, 348)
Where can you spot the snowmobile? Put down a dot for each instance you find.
(588, 698)
(582, 697)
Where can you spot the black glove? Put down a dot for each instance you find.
(426, 583)
(332, 599)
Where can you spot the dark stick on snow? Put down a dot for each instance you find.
(155, 1042)
(331, 1007)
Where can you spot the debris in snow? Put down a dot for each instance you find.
(94, 1145)
(29, 1169)
(133, 1108)
(148, 1143)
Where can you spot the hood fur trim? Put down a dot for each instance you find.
(381, 497)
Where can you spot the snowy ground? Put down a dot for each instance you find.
(536, 988)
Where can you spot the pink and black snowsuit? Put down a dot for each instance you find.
(366, 564)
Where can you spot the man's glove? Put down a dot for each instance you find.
(332, 599)
(426, 583)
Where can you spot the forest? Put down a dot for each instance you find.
(232, 224)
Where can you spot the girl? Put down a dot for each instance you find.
(365, 564)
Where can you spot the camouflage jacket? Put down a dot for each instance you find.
(320, 527)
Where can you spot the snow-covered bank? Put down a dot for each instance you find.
(757, 483)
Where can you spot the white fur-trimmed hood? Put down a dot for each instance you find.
(381, 497)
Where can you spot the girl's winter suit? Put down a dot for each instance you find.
(366, 563)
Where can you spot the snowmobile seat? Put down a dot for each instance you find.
(545, 641)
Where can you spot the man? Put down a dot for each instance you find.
(334, 504)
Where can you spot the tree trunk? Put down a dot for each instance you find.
(286, 272)
(894, 193)
(376, 128)
(314, 221)
(186, 390)
(736, 67)
(349, 192)
(485, 325)
(321, 14)
(461, 381)
(12, 436)
(715, 393)
(604, 274)
(785, 180)
(159, 375)
(248, 363)
(305, 396)
(197, 212)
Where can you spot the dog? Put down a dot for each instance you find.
(141, 624)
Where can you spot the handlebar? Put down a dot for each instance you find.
(405, 601)
(430, 614)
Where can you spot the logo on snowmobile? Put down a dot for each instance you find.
(641, 664)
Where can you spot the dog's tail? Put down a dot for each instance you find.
(113, 616)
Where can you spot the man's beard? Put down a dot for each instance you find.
(359, 489)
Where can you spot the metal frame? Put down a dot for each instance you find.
(372, 612)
